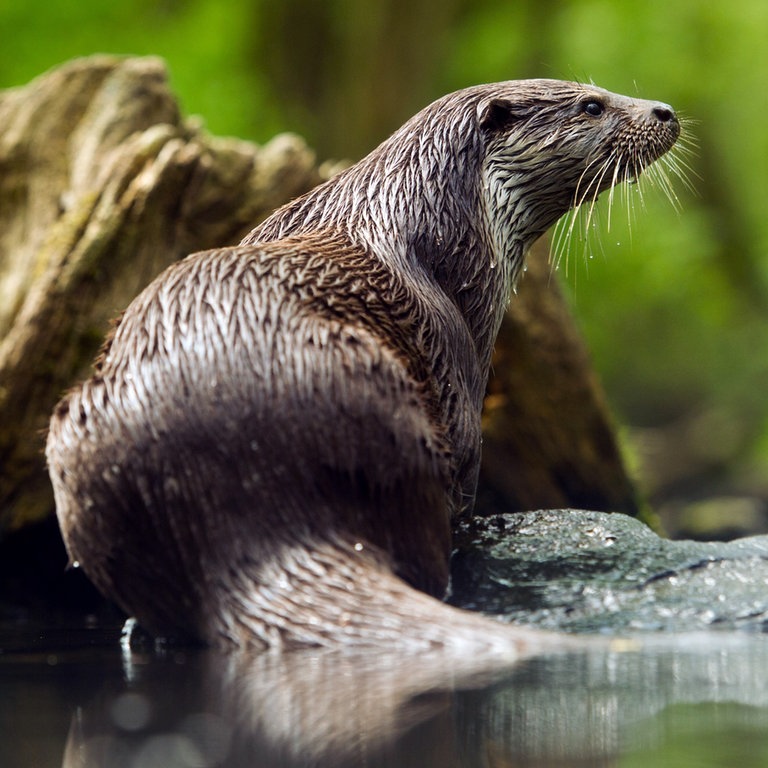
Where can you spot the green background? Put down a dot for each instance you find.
(674, 306)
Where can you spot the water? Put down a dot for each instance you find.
(71, 696)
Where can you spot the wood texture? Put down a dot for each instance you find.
(102, 185)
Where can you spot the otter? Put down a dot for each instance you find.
(278, 435)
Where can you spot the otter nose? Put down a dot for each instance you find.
(664, 113)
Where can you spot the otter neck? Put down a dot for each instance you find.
(419, 208)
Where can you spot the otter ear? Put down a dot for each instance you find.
(499, 114)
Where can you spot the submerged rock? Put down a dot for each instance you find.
(596, 572)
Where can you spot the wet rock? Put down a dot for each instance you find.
(595, 572)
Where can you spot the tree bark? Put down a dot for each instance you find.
(102, 185)
(548, 438)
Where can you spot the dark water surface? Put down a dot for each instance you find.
(72, 696)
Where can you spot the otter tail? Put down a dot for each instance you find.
(338, 592)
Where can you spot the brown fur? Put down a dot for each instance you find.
(279, 432)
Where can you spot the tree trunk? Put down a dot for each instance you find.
(548, 438)
(102, 185)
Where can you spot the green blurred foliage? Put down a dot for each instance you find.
(207, 45)
(674, 306)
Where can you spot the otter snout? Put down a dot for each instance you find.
(653, 113)
(653, 127)
(649, 112)
(664, 118)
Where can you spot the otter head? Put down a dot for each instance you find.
(551, 145)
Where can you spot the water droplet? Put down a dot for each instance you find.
(75, 563)
(359, 547)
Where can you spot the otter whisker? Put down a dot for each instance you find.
(615, 180)
(632, 189)
(593, 188)
(678, 160)
(567, 224)
(677, 163)
(658, 176)
(597, 185)
(583, 211)
(682, 169)
(638, 185)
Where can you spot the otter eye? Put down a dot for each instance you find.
(593, 107)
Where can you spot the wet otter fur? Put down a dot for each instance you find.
(278, 434)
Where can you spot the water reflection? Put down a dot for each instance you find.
(298, 709)
(626, 705)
